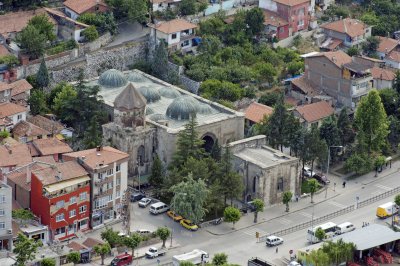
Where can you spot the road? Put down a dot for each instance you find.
(241, 245)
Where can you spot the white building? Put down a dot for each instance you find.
(6, 235)
(179, 34)
(11, 114)
(162, 5)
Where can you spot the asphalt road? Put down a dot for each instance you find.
(241, 245)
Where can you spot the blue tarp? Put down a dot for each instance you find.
(290, 79)
(197, 40)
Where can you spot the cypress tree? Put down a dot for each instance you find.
(42, 76)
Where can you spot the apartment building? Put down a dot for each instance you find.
(108, 170)
(6, 235)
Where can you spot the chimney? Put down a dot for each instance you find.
(10, 151)
(59, 176)
(99, 148)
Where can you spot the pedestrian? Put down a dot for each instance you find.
(363, 224)
(276, 250)
(344, 184)
(297, 198)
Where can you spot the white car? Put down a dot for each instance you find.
(307, 172)
(294, 263)
(274, 241)
(144, 202)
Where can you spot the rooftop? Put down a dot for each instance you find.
(4, 51)
(272, 18)
(20, 86)
(352, 27)
(207, 112)
(264, 157)
(357, 67)
(256, 112)
(291, 2)
(80, 6)
(386, 45)
(4, 86)
(60, 172)
(315, 111)
(17, 154)
(339, 58)
(304, 85)
(26, 129)
(394, 56)
(94, 157)
(173, 26)
(9, 109)
(50, 146)
(46, 123)
(382, 73)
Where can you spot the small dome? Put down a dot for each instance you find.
(149, 111)
(158, 117)
(112, 78)
(181, 108)
(191, 99)
(136, 77)
(151, 94)
(204, 109)
(169, 92)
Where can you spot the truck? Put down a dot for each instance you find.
(196, 257)
(386, 210)
(258, 262)
(155, 252)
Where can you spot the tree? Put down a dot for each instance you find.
(276, 128)
(189, 198)
(313, 186)
(330, 133)
(112, 237)
(48, 262)
(390, 100)
(339, 251)
(188, 144)
(132, 241)
(90, 33)
(346, 132)
(156, 178)
(396, 82)
(187, 7)
(371, 120)
(265, 72)
(163, 233)
(394, 132)
(353, 51)
(370, 45)
(92, 137)
(44, 26)
(22, 215)
(269, 98)
(216, 151)
(25, 249)
(31, 41)
(37, 102)
(358, 163)
(74, 257)
(220, 90)
(317, 258)
(231, 215)
(159, 63)
(320, 234)
(259, 207)
(220, 259)
(4, 134)
(397, 200)
(287, 197)
(42, 76)
(102, 250)
(136, 10)
(66, 93)
(255, 21)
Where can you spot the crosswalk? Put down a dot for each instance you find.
(252, 231)
(308, 215)
(383, 187)
(285, 221)
(337, 204)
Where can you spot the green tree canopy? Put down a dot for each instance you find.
(90, 33)
(259, 207)
(390, 100)
(42, 76)
(22, 215)
(313, 186)
(220, 259)
(287, 197)
(159, 63)
(74, 257)
(31, 41)
(220, 90)
(25, 249)
(48, 262)
(231, 215)
(157, 176)
(397, 199)
(345, 127)
(370, 46)
(318, 257)
(66, 94)
(37, 102)
(163, 233)
(320, 234)
(112, 237)
(187, 7)
(255, 21)
(102, 250)
(339, 251)
(132, 241)
(44, 26)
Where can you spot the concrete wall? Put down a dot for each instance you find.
(382, 84)
(21, 195)
(268, 4)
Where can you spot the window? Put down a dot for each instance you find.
(185, 43)
(60, 230)
(281, 30)
(1, 212)
(118, 194)
(109, 185)
(82, 209)
(19, 117)
(301, 11)
(173, 36)
(60, 204)
(2, 225)
(72, 200)
(118, 168)
(110, 172)
(280, 184)
(300, 23)
(82, 196)
(2, 199)
(102, 202)
(60, 217)
(6, 92)
(72, 213)
(118, 181)
(102, 175)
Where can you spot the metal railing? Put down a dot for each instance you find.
(378, 197)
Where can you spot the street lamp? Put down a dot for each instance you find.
(329, 156)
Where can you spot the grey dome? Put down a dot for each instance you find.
(181, 108)
(151, 94)
(136, 77)
(169, 92)
(191, 99)
(158, 117)
(204, 109)
(112, 78)
(149, 111)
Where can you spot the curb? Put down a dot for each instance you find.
(274, 218)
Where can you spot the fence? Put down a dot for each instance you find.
(378, 197)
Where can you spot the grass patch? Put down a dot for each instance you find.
(61, 47)
(304, 187)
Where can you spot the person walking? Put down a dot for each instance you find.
(276, 250)
(344, 184)
(297, 198)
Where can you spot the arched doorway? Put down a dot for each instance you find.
(208, 143)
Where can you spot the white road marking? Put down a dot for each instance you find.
(378, 192)
(252, 231)
(308, 215)
(285, 221)
(383, 187)
(337, 204)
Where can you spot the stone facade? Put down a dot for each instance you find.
(267, 173)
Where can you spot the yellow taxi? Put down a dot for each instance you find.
(189, 225)
(174, 216)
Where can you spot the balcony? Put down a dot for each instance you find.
(361, 86)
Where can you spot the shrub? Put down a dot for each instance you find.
(91, 33)
(9, 60)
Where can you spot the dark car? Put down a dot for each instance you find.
(137, 197)
(322, 178)
(122, 260)
(247, 207)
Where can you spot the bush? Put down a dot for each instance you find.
(221, 90)
(176, 59)
(142, 66)
(91, 33)
(61, 47)
(9, 60)
(269, 98)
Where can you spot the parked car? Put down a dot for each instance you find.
(307, 172)
(122, 260)
(144, 202)
(174, 216)
(274, 241)
(247, 206)
(144, 231)
(158, 208)
(155, 252)
(137, 196)
(189, 225)
(322, 178)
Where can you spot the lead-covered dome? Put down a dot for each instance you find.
(169, 92)
(182, 108)
(151, 94)
(136, 77)
(158, 117)
(204, 109)
(112, 78)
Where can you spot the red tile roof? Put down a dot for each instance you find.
(20, 177)
(4, 86)
(394, 56)
(173, 26)
(383, 74)
(26, 129)
(339, 58)
(9, 109)
(351, 27)
(91, 242)
(303, 84)
(256, 112)
(315, 111)
(52, 126)
(80, 6)
(4, 51)
(20, 86)
(51, 146)
(272, 18)
(291, 2)
(14, 155)
(386, 45)
(66, 170)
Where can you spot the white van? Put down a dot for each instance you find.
(158, 208)
(273, 241)
(344, 228)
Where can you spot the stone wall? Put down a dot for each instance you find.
(103, 40)
(288, 41)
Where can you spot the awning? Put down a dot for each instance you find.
(60, 185)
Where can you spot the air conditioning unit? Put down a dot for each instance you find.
(9, 231)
